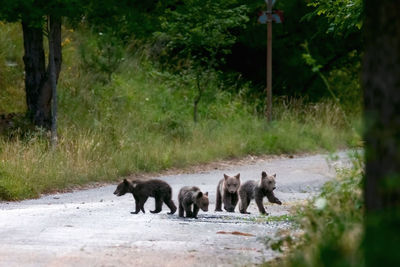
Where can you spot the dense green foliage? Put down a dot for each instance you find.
(35, 11)
(344, 16)
(338, 55)
(225, 33)
(202, 31)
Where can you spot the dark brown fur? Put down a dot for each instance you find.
(142, 190)
(191, 195)
(258, 190)
(227, 193)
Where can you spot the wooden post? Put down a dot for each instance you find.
(269, 62)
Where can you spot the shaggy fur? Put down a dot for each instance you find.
(191, 195)
(142, 190)
(227, 193)
(258, 190)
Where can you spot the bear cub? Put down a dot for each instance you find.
(191, 195)
(227, 193)
(142, 190)
(258, 190)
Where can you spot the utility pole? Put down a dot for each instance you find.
(269, 62)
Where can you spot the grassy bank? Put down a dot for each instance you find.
(331, 224)
(141, 120)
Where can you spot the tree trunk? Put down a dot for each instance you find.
(55, 26)
(34, 61)
(381, 83)
(37, 78)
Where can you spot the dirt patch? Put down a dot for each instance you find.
(234, 233)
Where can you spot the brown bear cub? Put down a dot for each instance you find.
(258, 190)
(227, 193)
(189, 195)
(142, 190)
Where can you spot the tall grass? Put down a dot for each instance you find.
(141, 120)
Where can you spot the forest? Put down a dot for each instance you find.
(91, 91)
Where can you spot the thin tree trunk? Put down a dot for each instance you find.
(44, 111)
(268, 89)
(53, 73)
(381, 83)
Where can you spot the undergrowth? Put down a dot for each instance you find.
(331, 225)
(136, 118)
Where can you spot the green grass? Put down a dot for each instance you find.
(11, 69)
(267, 218)
(141, 121)
(332, 225)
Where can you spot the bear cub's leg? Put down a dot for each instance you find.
(259, 202)
(218, 202)
(158, 208)
(244, 204)
(181, 210)
(171, 205)
(188, 210)
(139, 203)
(228, 206)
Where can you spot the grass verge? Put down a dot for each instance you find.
(331, 225)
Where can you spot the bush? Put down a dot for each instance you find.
(331, 224)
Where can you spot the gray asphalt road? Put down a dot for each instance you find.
(95, 228)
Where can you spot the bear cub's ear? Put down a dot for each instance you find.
(206, 194)
(274, 175)
(263, 174)
(199, 195)
(226, 176)
(237, 176)
(126, 181)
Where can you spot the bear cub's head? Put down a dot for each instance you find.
(232, 183)
(201, 200)
(124, 187)
(268, 181)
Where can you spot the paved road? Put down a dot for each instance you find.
(95, 228)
